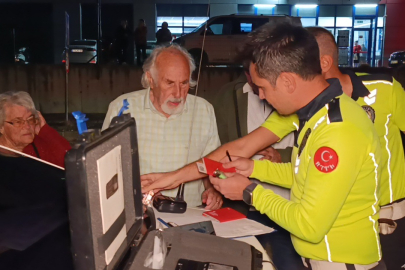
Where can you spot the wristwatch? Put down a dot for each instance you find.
(248, 193)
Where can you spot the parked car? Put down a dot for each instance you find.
(397, 59)
(82, 51)
(22, 57)
(223, 36)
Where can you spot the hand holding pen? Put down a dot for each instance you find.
(243, 166)
(229, 156)
(220, 174)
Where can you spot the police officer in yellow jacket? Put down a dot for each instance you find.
(334, 174)
(383, 99)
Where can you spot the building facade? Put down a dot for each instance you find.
(366, 21)
(361, 23)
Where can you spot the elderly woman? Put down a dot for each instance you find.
(34, 228)
(23, 128)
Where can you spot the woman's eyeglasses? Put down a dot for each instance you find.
(19, 122)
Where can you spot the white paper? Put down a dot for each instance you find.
(231, 229)
(112, 249)
(241, 227)
(108, 166)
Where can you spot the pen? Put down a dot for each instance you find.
(164, 223)
(229, 156)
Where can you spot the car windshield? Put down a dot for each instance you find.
(198, 27)
(83, 42)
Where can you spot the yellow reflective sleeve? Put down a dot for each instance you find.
(281, 125)
(398, 106)
(274, 173)
(324, 194)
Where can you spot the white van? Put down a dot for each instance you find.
(224, 35)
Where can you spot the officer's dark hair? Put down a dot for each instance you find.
(244, 56)
(326, 42)
(284, 48)
(246, 65)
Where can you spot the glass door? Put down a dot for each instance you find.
(379, 47)
(362, 42)
(362, 47)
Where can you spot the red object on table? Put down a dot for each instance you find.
(224, 214)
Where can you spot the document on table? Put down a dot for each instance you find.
(231, 229)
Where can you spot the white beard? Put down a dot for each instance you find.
(173, 110)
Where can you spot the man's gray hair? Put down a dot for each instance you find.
(149, 65)
(20, 98)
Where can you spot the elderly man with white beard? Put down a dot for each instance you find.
(170, 134)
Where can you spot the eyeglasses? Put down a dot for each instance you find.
(19, 122)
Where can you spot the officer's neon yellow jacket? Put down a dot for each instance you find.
(386, 98)
(333, 212)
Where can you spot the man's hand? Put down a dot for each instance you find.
(158, 182)
(270, 154)
(243, 166)
(212, 199)
(232, 187)
(40, 124)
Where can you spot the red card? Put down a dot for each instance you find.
(224, 214)
(212, 166)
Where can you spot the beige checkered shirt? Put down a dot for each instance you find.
(164, 142)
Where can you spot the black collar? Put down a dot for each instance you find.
(333, 90)
(359, 90)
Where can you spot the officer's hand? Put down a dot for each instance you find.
(158, 182)
(243, 166)
(212, 199)
(232, 187)
(270, 154)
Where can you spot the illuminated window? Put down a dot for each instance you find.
(308, 22)
(362, 23)
(180, 25)
(344, 21)
(326, 21)
(380, 22)
(194, 21)
(172, 21)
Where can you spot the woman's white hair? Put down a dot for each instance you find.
(20, 98)
(149, 65)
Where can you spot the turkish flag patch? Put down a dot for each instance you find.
(326, 160)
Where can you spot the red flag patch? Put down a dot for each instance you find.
(326, 160)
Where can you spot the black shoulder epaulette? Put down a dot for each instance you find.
(334, 113)
(376, 77)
